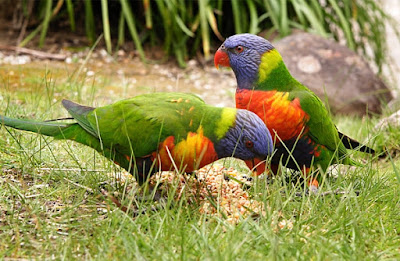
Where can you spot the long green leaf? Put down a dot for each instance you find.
(121, 29)
(236, 16)
(284, 21)
(46, 22)
(204, 27)
(183, 26)
(30, 36)
(344, 24)
(167, 23)
(106, 25)
(253, 29)
(71, 15)
(318, 10)
(89, 21)
(311, 16)
(132, 28)
(147, 13)
(272, 14)
(297, 7)
(213, 23)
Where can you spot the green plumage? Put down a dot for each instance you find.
(132, 127)
(266, 87)
(137, 133)
(319, 127)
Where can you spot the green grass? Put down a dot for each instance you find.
(47, 209)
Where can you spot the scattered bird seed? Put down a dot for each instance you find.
(216, 194)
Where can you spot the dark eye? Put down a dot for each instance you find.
(239, 49)
(249, 144)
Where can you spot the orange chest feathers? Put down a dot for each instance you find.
(189, 154)
(283, 117)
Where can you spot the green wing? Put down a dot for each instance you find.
(321, 128)
(139, 124)
(79, 113)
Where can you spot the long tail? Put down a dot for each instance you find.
(58, 130)
(68, 131)
(352, 144)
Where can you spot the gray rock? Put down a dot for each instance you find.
(335, 73)
(392, 121)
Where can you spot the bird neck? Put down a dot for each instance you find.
(223, 126)
(273, 73)
(227, 120)
(219, 121)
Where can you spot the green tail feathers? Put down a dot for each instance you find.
(58, 130)
(46, 128)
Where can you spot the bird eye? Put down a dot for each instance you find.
(249, 144)
(239, 49)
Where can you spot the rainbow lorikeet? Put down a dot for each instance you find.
(299, 122)
(143, 133)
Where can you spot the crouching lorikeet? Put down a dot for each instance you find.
(300, 124)
(144, 133)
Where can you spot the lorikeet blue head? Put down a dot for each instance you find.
(247, 140)
(243, 53)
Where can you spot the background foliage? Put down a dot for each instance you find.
(184, 27)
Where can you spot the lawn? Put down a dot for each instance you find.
(52, 207)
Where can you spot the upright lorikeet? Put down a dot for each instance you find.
(297, 119)
(143, 133)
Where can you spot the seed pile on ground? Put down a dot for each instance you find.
(218, 191)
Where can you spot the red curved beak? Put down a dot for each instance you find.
(221, 58)
(256, 165)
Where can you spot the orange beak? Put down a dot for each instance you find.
(221, 58)
(256, 165)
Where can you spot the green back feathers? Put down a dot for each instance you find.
(151, 117)
(124, 125)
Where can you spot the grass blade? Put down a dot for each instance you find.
(344, 24)
(46, 22)
(106, 25)
(121, 29)
(213, 23)
(273, 15)
(205, 34)
(132, 28)
(253, 29)
(183, 27)
(236, 16)
(308, 13)
(284, 21)
(30, 36)
(89, 21)
(395, 170)
(147, 13)
(71, 15)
